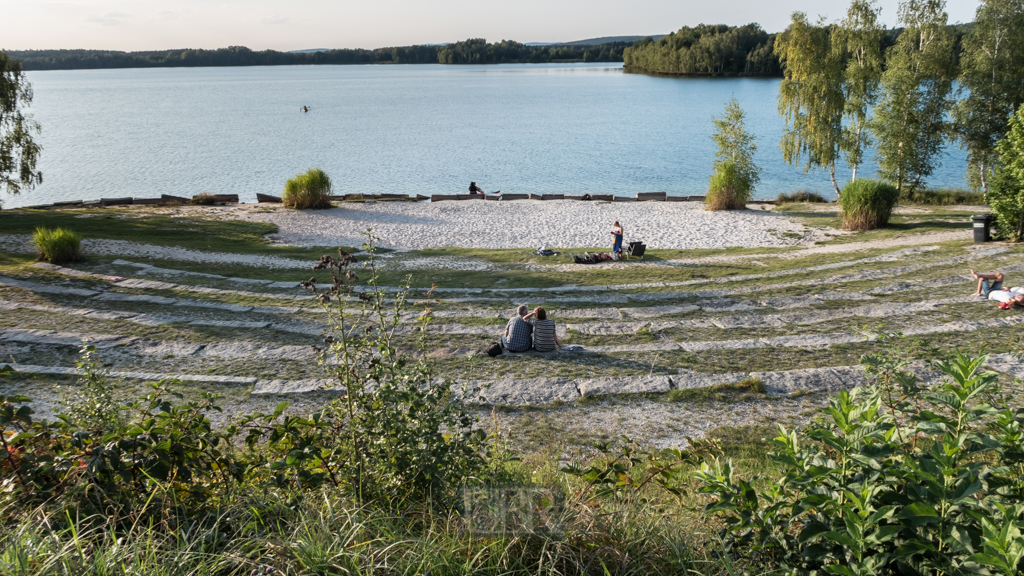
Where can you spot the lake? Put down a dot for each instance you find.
(426, 129)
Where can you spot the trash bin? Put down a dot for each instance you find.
(982, 224)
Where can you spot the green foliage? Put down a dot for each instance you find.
(58, 245)
(909, 121)
(1006, 195)
(860, 39)
(203, 199)
(707, 50)
(947, 197)
(399, 437)
(867, 204)
(800, 196)
(991, 66)
(735, 174)
(311, 190)
(479, 51)
(18, 151)
(895, 477)
(811, 98)
(728, 189)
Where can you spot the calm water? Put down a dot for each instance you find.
(405, 129)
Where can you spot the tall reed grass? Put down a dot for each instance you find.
(203, 199)
(58, 245)
(311, 190)
(867, 204)
(728, 189)
(947, 197)
(800, 196)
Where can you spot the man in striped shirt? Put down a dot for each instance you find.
(517, 332)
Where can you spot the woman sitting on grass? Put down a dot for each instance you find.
(544, 338)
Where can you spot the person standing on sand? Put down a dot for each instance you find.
(617, 233)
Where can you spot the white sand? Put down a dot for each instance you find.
(534, 223)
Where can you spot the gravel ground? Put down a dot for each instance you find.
(533, 223)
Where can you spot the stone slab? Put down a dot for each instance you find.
(690, 380)
(160, 349)
(296, 386)
(530, 391)
(214, 305)
(257, 350)
(282, 285)
(156, 319)
(51, 337)
(609, 329)
(721, 345)
(654, 347)
(751, 321)
(812, 379)
(298, 328)
(653, 296)
(656, 311)
(624, 385)
(598, 313)
(791, 301)
(46, 288)
(109, 314)
(230, 324)
(144, 298)
(145, 284)
(274, 310)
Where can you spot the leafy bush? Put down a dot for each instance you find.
(800, 196)
(400, 437)
(309, 190)
(1006, 197)
(58, 245)
(896, 478)
(728, 189)
(867, 204)
(203, 199)
(946, 197)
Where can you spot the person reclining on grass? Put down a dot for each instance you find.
(988, 283)
(544, 338)
(517, 332)
(1011, 297)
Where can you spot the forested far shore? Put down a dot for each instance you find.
(472, 51)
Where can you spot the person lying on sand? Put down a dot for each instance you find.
(544, 337)
(517, 332)
(988, 282)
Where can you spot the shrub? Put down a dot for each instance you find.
(896, 478)
(309, 190)
(867, 204)
(1006, 197)
(58, 245)
(947, 197)
(203, 199)
(728, 190)
(800, 196)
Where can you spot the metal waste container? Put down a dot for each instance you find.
(982, 227)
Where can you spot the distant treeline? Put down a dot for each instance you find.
(720, 50)
(703, 50)
(473, 51)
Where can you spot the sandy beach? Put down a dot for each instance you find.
(534, 223)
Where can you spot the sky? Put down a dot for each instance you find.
(304, 24)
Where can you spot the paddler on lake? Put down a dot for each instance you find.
(305, 108)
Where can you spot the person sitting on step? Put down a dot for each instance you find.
(517, 332)
(544, 337)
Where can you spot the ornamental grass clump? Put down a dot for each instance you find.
(58, 245)
(728, 189)
(867, 204)
(311, 190)
(203, 199)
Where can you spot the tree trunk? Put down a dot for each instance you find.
(832, 175)
(984, 182)
(853, 178)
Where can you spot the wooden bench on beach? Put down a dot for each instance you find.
(651, 197)
(268, 198)
(552, 196)
(443, 197)
(515, 196)
(116, 201)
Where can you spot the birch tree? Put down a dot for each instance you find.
(18, 151)
(811, 100)
(991, 83)
(858, 39)
(910, 122)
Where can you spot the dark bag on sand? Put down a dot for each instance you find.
(494, 350)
